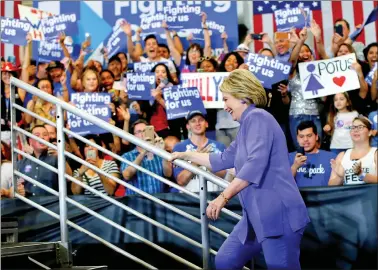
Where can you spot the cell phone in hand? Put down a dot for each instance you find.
(302, 151)
(339, 29)
(257, 36)
(149, 133)
(164, 81)
(92, 154)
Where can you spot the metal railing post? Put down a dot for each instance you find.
(204, 223)
(65, 252)
(13, 135)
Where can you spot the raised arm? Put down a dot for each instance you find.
(317, 32)
(138, 44)
(135, 56)
(66, 53)
(295, 53)
(364, 89)
(178, 43)
(206, 35)
(25, 66)
(174, 52)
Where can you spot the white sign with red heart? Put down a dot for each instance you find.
(328, 77)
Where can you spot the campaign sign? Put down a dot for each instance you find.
(34, 17)
(53, 26)
(147, 66)
(369, 77)
(267, 69)
(181, 16)
(139, 85)
(14, 31)
(292, 18)
(373, 16)
(50, 50)
(96, 104)
(179, 101)
(116, 41)
(208, 85)
(328, 77)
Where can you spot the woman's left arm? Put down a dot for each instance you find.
(215, 206)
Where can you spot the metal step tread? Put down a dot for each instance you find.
(103, 267)
(26, 248)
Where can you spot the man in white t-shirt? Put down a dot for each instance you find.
(151, 49)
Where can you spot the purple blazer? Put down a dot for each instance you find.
(260, 156)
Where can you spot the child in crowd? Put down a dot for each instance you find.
(340, 120)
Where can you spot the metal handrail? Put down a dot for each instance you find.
(120, 133)
(91, 166)
(119, 227)
(61, 105)
(79, 228)
(115, 202)
(119, 158)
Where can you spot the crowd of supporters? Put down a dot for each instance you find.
(333, 140)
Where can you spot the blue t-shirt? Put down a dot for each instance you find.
(188, 146)
(316, 171)
(373, 117)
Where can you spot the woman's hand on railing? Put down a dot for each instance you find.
(178, 155)
(215, 207)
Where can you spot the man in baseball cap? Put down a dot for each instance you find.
(198, 142)
(242, 50)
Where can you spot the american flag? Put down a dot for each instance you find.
(323, 12)
(9, 9)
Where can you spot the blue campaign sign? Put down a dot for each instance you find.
(139, 85)
(267, 69)
(50, 50)
(96, 104)
(14, 31)
(373, 16)
(116, 41)
(53, 26)
(181, 16)
(369, 77)
(292, 18)
(181, 100)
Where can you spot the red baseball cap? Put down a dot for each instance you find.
(8, 66)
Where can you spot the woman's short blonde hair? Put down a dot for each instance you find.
(86, 73)
(243, 85)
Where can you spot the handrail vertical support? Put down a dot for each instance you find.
(204, 223)
(62, 186)
(13, 134)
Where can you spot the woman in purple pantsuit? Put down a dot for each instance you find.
(274, 214)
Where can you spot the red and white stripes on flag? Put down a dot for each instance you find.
(355, 12)
(9, 9)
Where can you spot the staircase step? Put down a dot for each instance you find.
(20, 249)
(83, 268)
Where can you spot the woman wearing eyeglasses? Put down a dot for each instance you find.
(359, 164)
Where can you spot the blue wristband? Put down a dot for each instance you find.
(362, 176)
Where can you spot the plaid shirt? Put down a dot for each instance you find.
(141, 180)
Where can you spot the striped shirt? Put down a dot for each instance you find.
(141, 180)
(108, 166)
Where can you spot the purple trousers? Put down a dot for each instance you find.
(280, 252)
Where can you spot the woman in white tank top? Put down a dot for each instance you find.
(359, 164)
